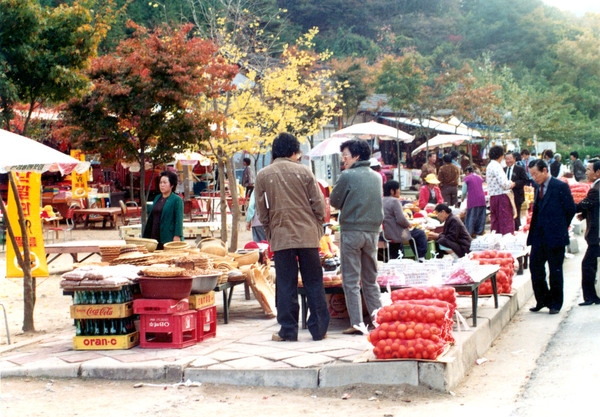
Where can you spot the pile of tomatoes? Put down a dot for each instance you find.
(504, 276)
(415, 328)
(425, 293)
(579, 190)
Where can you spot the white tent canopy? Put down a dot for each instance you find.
(372, 129)
(441, 141)
(24, 154)
(452, 125)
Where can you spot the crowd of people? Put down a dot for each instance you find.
(287, 209)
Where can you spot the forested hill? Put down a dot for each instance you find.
(545, 62)
(519, 33)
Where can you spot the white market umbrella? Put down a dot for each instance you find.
(441, 141)
(329, 146)
(191, 158)
(26, 155)
(373, 129)
(23, 154)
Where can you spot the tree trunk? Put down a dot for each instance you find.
(24, 260)
(235, 207)
(223, 199)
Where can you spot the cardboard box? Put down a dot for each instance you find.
(102, 311)
(198, 301)
(126, 341)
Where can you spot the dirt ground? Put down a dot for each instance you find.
(492, 387)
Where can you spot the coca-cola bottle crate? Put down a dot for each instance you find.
(101, 311)
(171, 331)
(101, 295)
(159, 306)
(198, 301)
(207, 322)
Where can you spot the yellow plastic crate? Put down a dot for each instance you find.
(126, 341)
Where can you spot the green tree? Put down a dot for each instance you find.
(141, 107)
(44, 51)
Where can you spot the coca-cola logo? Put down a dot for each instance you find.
(159, 324)
(100, 341)
(99, 311)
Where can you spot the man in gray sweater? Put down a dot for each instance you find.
(358, 195)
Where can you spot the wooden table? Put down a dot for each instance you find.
(108, 214)
(74, 248)
(482, 274)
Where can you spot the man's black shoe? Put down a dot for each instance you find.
(537, 308)
(554, 311)
(589, 303)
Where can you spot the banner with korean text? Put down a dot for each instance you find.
(29, 190)
(79, 182)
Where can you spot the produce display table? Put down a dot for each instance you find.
(479, 275)
(522, 257)
(74, 248)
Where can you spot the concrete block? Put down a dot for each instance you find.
(292, 378)
(123, 371)
(385, 372)
(439, 375)
(50, 371)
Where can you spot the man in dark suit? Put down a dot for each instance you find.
(516, 174)
(553, 210)
(589, 209)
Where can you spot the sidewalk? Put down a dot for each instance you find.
(243, 354)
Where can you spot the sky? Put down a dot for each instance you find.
(577, 7)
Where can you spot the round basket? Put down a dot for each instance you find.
(246, 257)
(150, 244)
(214, 246)
(176, 246)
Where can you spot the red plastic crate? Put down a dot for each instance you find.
(170, 331)
(160, 306)
(207, 322)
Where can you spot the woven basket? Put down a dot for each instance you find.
(246, 258)
(150, 244)
(176, 246)
(213, 245)
(223, 278)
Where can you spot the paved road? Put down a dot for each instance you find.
(567, 376)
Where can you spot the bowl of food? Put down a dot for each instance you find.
(201, 284)
(173, 288)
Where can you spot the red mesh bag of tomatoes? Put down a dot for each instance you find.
(408, 349)
(415, 320)
(447, 294)
(504, 276)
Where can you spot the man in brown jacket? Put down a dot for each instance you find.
(448, 176)
(291, 209)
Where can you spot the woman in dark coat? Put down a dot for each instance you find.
(165, 223)
(455, 238)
